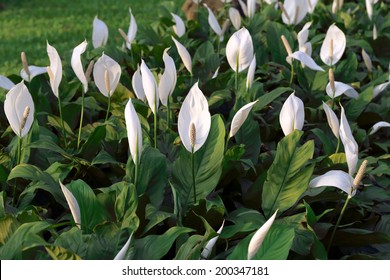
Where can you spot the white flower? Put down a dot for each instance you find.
(378, 125)
(77, 66)
(251, 6)
(150, 87)
(333, 47)
(251, 73)
(179, 26)
(121, 254)
(184, 55)
(240, 117)
(292, 114)
(350, 145)
(235, 17)
(332, 120)
(367, 61)
(210, 245)
(341, 88)
(73, 205)
(6, 83)
(294, 11)
(335, 178)
(380, 88)
(303, 35)
(19, 109)
(136, 82)
(134, 132)
(194, 115)
(239, 50)
(213, 22)
(99, 33)
(29, 72)
(168, 79)
(258, 238)
(106, 74)
(311, 4)
(55, 69)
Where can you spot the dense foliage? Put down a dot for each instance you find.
(240, 181)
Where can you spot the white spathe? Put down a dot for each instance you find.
(296, 10)
(184, 55)
(378, 126)
(179, 27)
(99, 33)
(213, 22)
(122, 253)
(194, 110)
(211, 243)
(168, 79)
(73, 205)
(103, 65)
(341, 88)
(350, 146)
(251, 73)
(34, 71)
(333, 121)
(16, 101)
(134, 132)
(333, 47)
(240, 117)
(239, 50)
(335, 178)
(55, 72)
(292, 114)
(77, 66)
(235, 17)
(6, 83)
(149, 85)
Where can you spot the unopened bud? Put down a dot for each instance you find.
(25, 116)
(24, 63)
(89, 70)
(331, 81)
(192, 134)
(286, 45)
(107, 81)
(360, 174)
(367, 61)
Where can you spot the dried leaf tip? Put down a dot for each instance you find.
(25, 116)
(286, 45)
(192, 134)
(360, 174)
(24, 63)
(89, 70)
(331, 81)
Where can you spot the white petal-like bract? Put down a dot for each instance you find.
(341, 88)
(55, 72)
(335, 178)
(333, 121)
(306, 60)
(240, 117)
(150, 87)
(210, 245)
(34, 71)
(99, 33)
(134, 132)
(333, 47)
(106, 68)
(213, 22)
(6, 83)
(295, 11)
(73, 205)
(77, 66)
(121, 254)
(136, 82)
(251, 73)
(239, 50)
(350, 146)
(378, 126)
(132, 31)
(184, 55)
(235, 17)
(292, 114)
(168, 79)
(179, 27)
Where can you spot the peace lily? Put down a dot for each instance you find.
(215, 73)
(259, 236)
(184, 55)
(292, 114)
(244, 8)
(378, 126)
(350, 145)
(121, 254)
(369, 7)
(235, 17)
(293, 11)
(134, 135)
(55, 76)
(136, 83)
(333, 47)
(29, 72)
(374, 32)
(6, 83)
(194, 124)
(19, 109)
(210, 245)
(337, 5)
(240, 117)
(213, 22)
(77, 67)
(106, 74)
(251, 8)
(367, 61)
(303, 36)
(380, 88)
(179, 26)
(251, 73)
(167, 82)
(335, 89)
(130, 36)
(99, 33)
(73, 205)
(151, 91)
(239, 50)
(333, 121)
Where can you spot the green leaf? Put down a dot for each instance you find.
(208, 166)
(92, 213)
(267, 98)
(126, 206)
(154, 247)
(289, 175)
(154, 217)
(72, 241)
(8, 225)
(59, 253)
(103, 158)
(276, 245)
(25, 237)
(94, 142)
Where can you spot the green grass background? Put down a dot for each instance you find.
(25, 25)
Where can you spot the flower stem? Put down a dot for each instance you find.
(338, 145)
(292, 73)
(193, 173)
(155, 127)
(109, 106)
(338, 222)
(168, 112)
(136, 165)
(19, 151)
(81, 119)
(62, 121)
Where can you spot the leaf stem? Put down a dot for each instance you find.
(155, 126)
(62, 121)
(109, 106)
(292, 73)
(136, 164)
(168, 112)
(81, 119)
(193, 173)
(338, 145)
(19, 151)
(338, 222)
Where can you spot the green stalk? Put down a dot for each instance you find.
(155, 126)
(81, 119)
(19, 151)
(136, 165)
(109, 106)
(193, 173)
(192, 79)
(168, 112)
(62, 121)
(338, 145)
(236, 77)
(292, 73)
(338, 222)
(218, 45)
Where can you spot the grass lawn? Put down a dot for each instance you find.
(25, 25)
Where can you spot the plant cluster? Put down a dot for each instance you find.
(252, 134)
